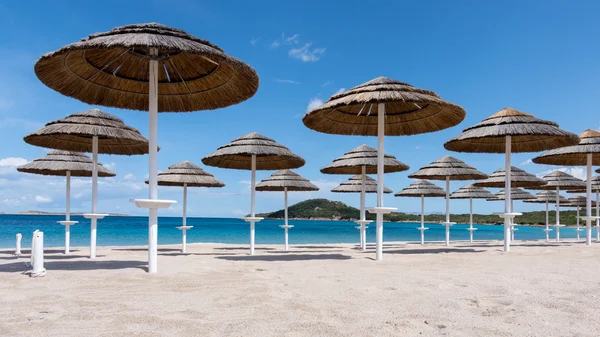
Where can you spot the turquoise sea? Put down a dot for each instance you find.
(133, 231)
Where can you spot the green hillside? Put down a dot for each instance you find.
(336, 210)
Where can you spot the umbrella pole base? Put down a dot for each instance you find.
(422, 229)
(363, 234)
(448, 225)
(471, 230)
(286, 241)
(380, 211)
(183, 230)
(252, 220)
(153, 205)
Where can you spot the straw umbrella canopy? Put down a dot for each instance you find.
(557, 181)
(422, 188)
(92, 131)
(253, 152)
(363, 160)
(471, 192)
(546, 197)
(65, 164)
(586, 153)
(186, 174)
(448, 168)
(508, 131)
(149, 67)
(518, 178)
(381, 107)
(284, 181)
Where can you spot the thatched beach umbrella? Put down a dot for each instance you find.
(186, 174)
(448, 168)
(546, 197)
(586, 153)
(508, 131)
(92, 131)
(383, 107)
(471, 192)
(557, 181)
(148, 67)
(65, 164)
(286, 180)
(518, 178)
(363, 160)
(422, 188)
(577, 202)
(515, 194)
(253, 152)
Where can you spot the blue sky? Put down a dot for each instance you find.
(540, 57)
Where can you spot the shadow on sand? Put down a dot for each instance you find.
(76, 265)
(242, 248)
(432, 251)
(146, 249)
(286, 257)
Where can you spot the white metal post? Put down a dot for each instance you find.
(512, 223)
(184, 221)
(18, 247)
(577, 225)
(379, 216)
(152, 161)
(507, 190)
(94, 220)
(470, 219)
(588, 203)
(447, 211)
(363, 216)
(37, 254)
(422, 219)
(285, 212)
(547, 225)
(557, 214)
(252, 202)
(68, 214)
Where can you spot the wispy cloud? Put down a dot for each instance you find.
(306, 53)
(286, 81)
(327, 83)
(285, 40)
(42, 200)
(110, 166)
(577, 172)
(527, 162)
(254, 41)
(129, 176)
(314, 103)
(340, 90)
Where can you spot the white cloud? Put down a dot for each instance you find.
(327, 83)
(286, 81)
(527, 162)
(285, 40)
(340, 90)
(253, 41)
(577, 172)
(306, 54)
(314, 103)
(13, 161)
(110, 166)
(245, 182)
(42, 200)
(129, 176)
(325, 185)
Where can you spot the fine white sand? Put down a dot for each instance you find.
(539, 289)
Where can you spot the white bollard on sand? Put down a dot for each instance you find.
(18, 249)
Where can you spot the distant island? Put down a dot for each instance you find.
(323, 209)
(54, 213)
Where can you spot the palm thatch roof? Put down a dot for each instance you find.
(471, 191)
(289, 179)
(353, 161)
(528, 133)
(353, 185)
(546, 196)
(518, 178)
(75, 133)
(189, 174)
(269, 155)
(112, 69)
(422, 188)
(58, 163)
(515, 194)
(408, 110)
(578, 201)
(562, 180)
(448, 166)
(574, 155)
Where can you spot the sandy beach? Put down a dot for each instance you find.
(539, 289)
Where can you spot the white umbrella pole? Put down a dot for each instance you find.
(252, 202)
(507, 190)
(379, 219)
(447, 224)
(557, 214)
(512, 223)
(152, 163)
(577, 217)
(598, 215)
(422, 219)
(94, 197)
(363, 216)
(547, 229)
(184, 221)
(68, 214)
(588, 203)
(471, 219)
(285, 212)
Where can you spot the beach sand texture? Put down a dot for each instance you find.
(538, 289)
